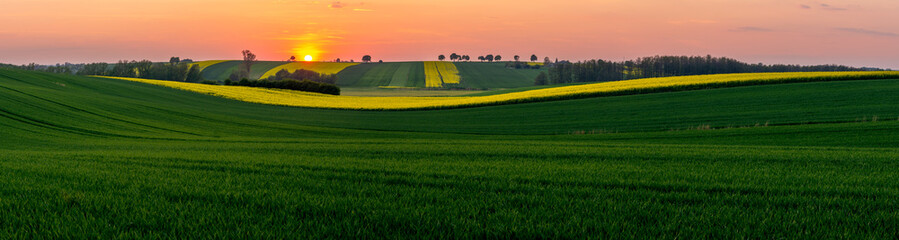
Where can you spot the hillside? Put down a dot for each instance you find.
(615, 88)
(395, 74)
(105, 158)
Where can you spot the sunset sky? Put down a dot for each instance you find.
(857, 33)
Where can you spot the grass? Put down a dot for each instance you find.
(371, 75)
(495, 75)
(220, 71)
(102, 158)
(397, 74)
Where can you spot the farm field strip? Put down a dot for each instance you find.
(313, 100)
(319, 67)
(448, 72)
(432, 75)
(401, 75)
(203, 64)
(438, 73)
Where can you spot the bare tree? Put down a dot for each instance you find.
(248, 60)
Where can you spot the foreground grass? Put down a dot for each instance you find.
(617, 88)
(101, 158)
(451, 186)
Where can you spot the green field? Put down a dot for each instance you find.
(103, 158)
(220, 71)
(399, 74)
(495, 75)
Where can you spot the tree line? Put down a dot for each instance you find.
(599, 70)
(488, 58)
(173, 70)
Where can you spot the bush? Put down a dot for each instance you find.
(210, 82)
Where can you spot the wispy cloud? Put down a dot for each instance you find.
(751, 29)
(692, 21)
(335, 5)
(822, 6)
(867, 32)
(363, 10)
(831, 8)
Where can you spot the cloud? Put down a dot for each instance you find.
(867, 32)
(822, 6)
(363, 10)
(692, 21)
(752, 29)
(335, 5)
(831, 8)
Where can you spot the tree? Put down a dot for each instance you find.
(441, 57)
(174, 60)
(481, 58)
(516, 57)
(541, 79)
(498, 57)
(292, 59)
(467, 58)
(546, 61)
(248, 60)
(366, 58)
(489, 57)
(338, 60)
(454, 56)
(533, 57)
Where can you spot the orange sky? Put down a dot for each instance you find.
(859, 33)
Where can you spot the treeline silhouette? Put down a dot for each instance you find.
(665, 66)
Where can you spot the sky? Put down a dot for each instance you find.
(855, 33)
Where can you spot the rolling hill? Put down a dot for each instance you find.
(475, 75)
(105, 158)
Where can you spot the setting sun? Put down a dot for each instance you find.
(307, 58)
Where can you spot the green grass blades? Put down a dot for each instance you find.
(100, 158)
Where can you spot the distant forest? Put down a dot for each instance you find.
(665, 66)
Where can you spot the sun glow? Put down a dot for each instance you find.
(308, 58)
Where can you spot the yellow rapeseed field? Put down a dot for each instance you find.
(315, 100)
(204, 64)
(432, 75)
(439, 73)
(319, 67)
(448, 72)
